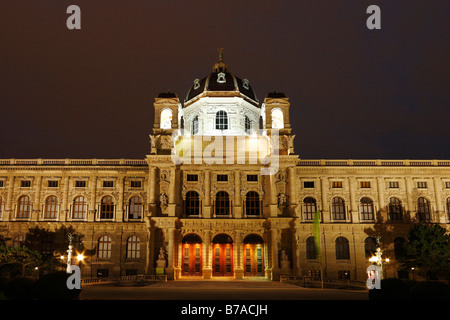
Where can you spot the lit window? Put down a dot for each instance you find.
(135, 208)
(107, 208)
(336, 184)
(104, 247)
(248, 125)
(133, 248)
(79, 208)
(166, 119)
(194, 127)
(365, 184)
(367, 209)
(277, 119)
(221, 120)
(24, 207)
(51, 208)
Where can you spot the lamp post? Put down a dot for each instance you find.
(379, 261)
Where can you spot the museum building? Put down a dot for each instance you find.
(222, 194)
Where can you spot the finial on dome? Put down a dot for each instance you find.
(221, 54)
(220, 66)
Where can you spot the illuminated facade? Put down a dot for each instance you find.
(202, 195)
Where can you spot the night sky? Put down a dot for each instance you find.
(355, 93)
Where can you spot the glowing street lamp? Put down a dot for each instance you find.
(379, 261)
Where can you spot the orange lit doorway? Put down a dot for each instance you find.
(222, 255)
(192, 255)
(253, 256)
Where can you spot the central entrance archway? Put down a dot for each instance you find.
(222, 255)
(192, 255)
(253, 255)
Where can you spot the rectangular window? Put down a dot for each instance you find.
(336, 184)
(222, 177)
(52, 184)
(447, 185)
(25, 183)
(252, 177)
(80, 184)
(308, 184)
(393, 184)
(364, 184)
(135, 184)
(422, 185)
(2, 184)
(192, 177)
(108, 184)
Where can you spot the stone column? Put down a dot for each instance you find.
(170, 253)
(36, 213)
(206, 210)
(65, 202)
(120, 205)
(92, 206)
(325, 207)
(354, 207)
(172, 186)
(207, 269)
(274, 242)
(238, 270)
(151, 185)
(296, 268)
(381, 204)
(9, 211)
(439, 214)
(237, 195)
(409, 205)
(292, 193)
(273, 196)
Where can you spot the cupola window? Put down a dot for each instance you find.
(221, 120)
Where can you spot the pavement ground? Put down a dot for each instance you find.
(218, 290)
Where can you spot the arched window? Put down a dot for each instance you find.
(311, 252)
(395, 209)
(342, 249)
(222, 204)
(24, 207)
(133, 247)
(194, 126)
(192, 204)
(51, 208)
(309, 205)
(107, 208)
(104, 247)
(18, 241)
(79, 209)
(252, 207)
(277, 119)
(166, 119)
(367, 209)
(1, 207)
(423, 209)
(248, 125)
(135, 208)
(338, 208)
(221, 120)
(370, 246)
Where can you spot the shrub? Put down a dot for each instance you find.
(431, 290)
(53, 286)
(19, 289)
(391, 289)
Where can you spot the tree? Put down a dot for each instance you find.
(21, 255)
(428, 248)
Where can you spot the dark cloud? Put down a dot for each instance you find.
(355, 93)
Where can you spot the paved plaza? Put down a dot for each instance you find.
(218, 290)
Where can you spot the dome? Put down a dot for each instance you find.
(220, 82)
